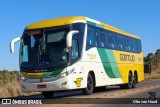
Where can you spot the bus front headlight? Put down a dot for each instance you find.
(21, 77)
(66, 73)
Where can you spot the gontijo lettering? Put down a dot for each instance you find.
(126, 57)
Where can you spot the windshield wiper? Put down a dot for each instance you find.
(36, 56)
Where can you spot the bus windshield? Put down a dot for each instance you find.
(43, 49)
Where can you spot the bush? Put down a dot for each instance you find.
(9, 86)
(8, 77)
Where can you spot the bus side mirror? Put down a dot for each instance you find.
(69, 38)
(13, 42)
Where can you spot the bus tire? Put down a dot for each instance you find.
(130, 82)
(90, 85)
(134, 81)
(48, 94)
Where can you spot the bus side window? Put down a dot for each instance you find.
(75, 53)
(128, 44)
(139, 47)
(105, 38)
(134, 46)
(131, 44)
(120, 42)
(91, 40)
(96, 37)
(111, 40)
(88, 38)
(100, 37)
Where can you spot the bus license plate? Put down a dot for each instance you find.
(41, 86)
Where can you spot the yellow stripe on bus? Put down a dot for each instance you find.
(32, 75)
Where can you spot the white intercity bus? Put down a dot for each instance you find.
(77, 53)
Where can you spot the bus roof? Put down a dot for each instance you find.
(55, 22)
(70, 19)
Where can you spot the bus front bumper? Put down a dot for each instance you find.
(39, 85)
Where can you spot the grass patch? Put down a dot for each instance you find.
(9, 85)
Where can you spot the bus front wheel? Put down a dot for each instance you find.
(48, 94)
(90, 85)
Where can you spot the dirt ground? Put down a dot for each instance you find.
(155, 74)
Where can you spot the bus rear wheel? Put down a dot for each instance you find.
(48, 94)
(134, 81)
(130, 82)
(128, 85)
(90, 85)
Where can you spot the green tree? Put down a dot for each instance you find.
(157, 58)
(150, 58)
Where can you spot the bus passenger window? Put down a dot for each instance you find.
(134, 45)
(129, 44)
(128, 48)
(101, 38)
(105, 38)
(120, 42)
(139, 47)
(91, 40)
(111, 41)
(96, 38)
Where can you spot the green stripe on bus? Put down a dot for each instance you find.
(109, 63)
(98, 25)
(91, 23)
(94, 24)
(53, 73)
